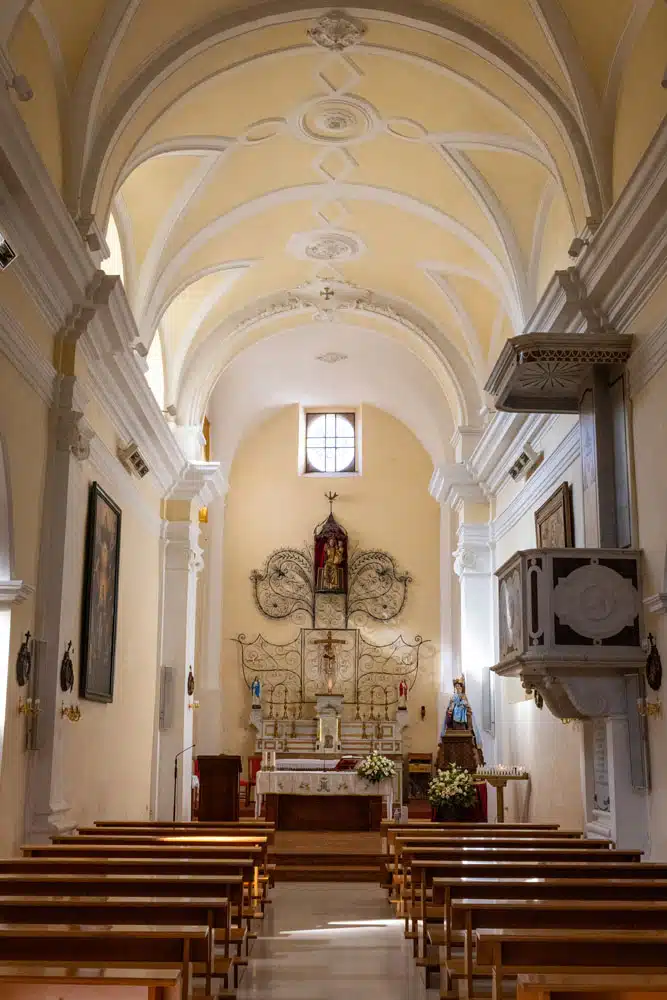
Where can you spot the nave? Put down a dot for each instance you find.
(331, 941)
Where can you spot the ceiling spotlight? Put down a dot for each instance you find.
(576, 246)
(7, 255)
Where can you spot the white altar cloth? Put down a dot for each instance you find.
(320, 783)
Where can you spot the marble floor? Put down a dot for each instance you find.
(330, 941)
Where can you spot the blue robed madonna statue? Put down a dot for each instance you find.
(458, 716)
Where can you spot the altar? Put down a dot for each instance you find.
(323, 800)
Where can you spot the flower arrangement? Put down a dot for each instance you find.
(376, 767)
(452, 789)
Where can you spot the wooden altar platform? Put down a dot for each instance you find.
(327, 857)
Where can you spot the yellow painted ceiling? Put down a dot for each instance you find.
(442, 160)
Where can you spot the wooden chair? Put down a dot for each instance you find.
(254, 764)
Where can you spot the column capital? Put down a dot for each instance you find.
(201, 481)
(453, 484)
(473, 551)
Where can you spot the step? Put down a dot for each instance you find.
(326, 873)
(323, 858)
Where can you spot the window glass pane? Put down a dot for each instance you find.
(316, 424)
(316, 458)
(344, 459)
(330, 442)
(344, 425)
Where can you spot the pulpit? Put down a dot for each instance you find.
(219, 779)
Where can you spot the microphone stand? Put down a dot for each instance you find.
(180, 754)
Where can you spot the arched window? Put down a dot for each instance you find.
(155, 373)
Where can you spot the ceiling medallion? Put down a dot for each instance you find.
(336, 31)
(331, 357)
(325, 245)
(339, 119)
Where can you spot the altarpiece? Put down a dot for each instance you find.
(331, 689)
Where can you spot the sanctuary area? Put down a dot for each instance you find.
(333, 556)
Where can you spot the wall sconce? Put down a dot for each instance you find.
(422, 712)
(193, 704)
(649, 709)
(71, 712)
(29, 707)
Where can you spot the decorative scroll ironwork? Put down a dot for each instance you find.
(378, 589)
(384, 666)
(284, 588)
(277, 665)
(289, 672)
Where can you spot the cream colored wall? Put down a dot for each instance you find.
(388, 507)
(109, 751)
(547, 748)
(20, 409)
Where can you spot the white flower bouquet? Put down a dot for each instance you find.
(452, 789)
(376, 767)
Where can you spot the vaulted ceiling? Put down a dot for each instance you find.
(417, 170)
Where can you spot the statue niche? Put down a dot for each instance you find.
(330, 545)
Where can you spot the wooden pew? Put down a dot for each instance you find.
(426, 863)
(35, 982)
(469, 915)
(104, 946)
(193, 824)
(424, 870)
(214, 913)
(193, 830)
(579, 986)
(99, 885)
(408, 843)
(390, 827)
(512, 951)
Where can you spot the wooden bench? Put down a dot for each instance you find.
(407, 847)
(34, 982)
(425, 865)
(618, 986)
(509, 952)
(425, 870)
(183, 887)
(107, 945)
(150, 910)
(469, 915)
(447, 890)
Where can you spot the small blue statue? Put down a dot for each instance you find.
(256, 690)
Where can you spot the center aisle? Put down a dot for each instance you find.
(330, 941)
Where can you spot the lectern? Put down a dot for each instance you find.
(219, 787)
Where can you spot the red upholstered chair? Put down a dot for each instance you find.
(254, 764)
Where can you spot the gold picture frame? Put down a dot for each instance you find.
(554, 520)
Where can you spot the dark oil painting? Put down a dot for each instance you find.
(100, 597)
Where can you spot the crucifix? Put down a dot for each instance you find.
(327, 293)
(329, 657)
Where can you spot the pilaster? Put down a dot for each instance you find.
(47, 810)
(209, 731)
(182, 564)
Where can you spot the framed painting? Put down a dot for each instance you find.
(100, 597)
(554, 520)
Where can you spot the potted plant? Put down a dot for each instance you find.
(376, 767)
(452, 793)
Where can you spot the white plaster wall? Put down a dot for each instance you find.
(548, 749)
(650, 434)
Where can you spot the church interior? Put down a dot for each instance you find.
(333, 548)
